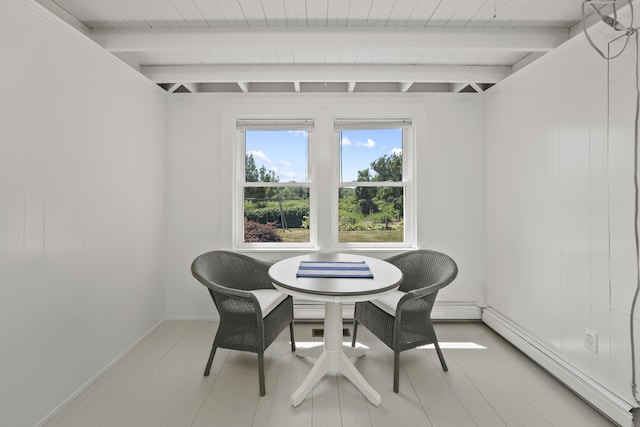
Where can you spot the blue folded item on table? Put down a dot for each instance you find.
(336, 269)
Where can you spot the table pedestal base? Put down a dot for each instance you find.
(333, 357)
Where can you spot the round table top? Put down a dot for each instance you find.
(386, 278)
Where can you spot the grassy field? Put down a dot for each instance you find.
(371, 236)
(297, 235)
(294, 235)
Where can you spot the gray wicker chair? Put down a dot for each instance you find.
(402, 320)
(252, 312)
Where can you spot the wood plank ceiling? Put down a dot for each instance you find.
(324, 45)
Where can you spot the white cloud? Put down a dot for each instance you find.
(370, 143)
(397, 151)
(298, 132)
(285, 164)
(259, 155)
(290, 174)
(346, 141)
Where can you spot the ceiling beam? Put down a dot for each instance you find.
(484, 39)
(326, 73)
(476, 87)
(244, 86)
(526, 60)
(458, 87)
(404, 86)
(65, 16)
(173, 87)
(192, 87)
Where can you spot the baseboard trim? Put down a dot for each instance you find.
(96, 377)
(456, 311)
(314, 311)
(600, 397)
(441, 311)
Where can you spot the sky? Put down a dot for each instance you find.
(285, 152)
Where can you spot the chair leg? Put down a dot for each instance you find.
(261, 372)
(355, 331)
(441, 357)
(210, 361)
(293, 341)
(396, 371)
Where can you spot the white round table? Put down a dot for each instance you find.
(332, 356)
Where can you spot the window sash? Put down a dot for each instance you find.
(372, 184)
(373, 124)
(406, 184)
(276, 184)
(244, 125)
(275, 124)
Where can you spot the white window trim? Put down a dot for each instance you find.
(238, 194)
(409, 159)
(408, 168)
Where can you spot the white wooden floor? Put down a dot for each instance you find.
(160, 383)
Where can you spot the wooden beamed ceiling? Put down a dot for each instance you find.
(345, 46)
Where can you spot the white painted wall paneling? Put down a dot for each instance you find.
(450, 191)
(81, 172)
(555, 189)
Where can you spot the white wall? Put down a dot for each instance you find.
(450, 179)
(559, 192)
(81, 185)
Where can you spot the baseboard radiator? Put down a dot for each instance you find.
(603, 399)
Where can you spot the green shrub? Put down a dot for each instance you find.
(347, 223)
(256, 232)
(294, 212)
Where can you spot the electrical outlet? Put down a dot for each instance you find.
(590, 340)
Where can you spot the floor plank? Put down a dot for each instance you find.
(402, 409)
(532, 382)
(161, 383)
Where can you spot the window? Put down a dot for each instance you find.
(275, 187)
(374, 183)
(364, 199)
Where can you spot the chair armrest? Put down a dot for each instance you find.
(239, 295)
(416, 294)
(420, 293)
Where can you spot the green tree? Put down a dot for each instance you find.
(386, 200)
(268, 176)
(389, 200)
(388, 168)
(250, 169)
(253, 174)
(365, 195)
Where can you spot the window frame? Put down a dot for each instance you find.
(285, 124)
(409, 218)
(331, 168)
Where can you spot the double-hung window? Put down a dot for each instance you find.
(374, 194)
(367, 203)
(274, 183)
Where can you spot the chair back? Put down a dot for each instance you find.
(424, 268)
(231, 270)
